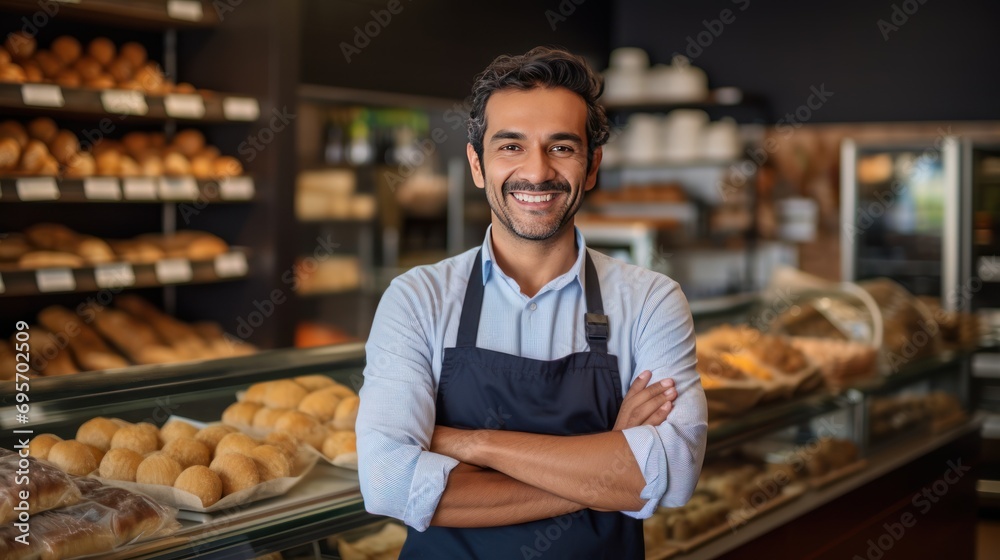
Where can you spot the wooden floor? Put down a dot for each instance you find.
(988, 539)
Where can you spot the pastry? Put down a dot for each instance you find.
(240, 414)
(158, 468)
(347, 413)
(271, 462)
(202, 482)
(97, 432)
(235, 443)
(313, 382)
(237, 472)
(188, 452)
(40, 446)
(284, 394)
(136, 438)
(72, 457)
(120, 464)
(321, 404)
(302, 426)
(176, 429)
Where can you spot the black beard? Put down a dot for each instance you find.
(526, 186)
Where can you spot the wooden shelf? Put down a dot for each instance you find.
(149, 14)
(54, 101)
(229, 266)
(131, 190)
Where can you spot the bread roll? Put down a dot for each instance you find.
(151, 165)
(176, 165)
(20, 45)
(4, 57)
(271, 462)
(120, 464)
(69, 78)
(50, 64)
(49, 167)
(302, 426)
(235, 443)
(150, 79)
(33, 156)
(342, 391)
(121, 70)
(188, 452)
(189, 142)
(134, 53)
(177, 429)
(267, 418)
(313, 382)
(288, 444)
(102, 50)
(14, 129)
(97, 453)
(10, 153)
(41, 445)
(12, 73)
(158, 468)
(256, 392)
(136, 252)
(240, 414)
(88, 68)
(149, 427)
(136, 339)
(43, 129)
(202, 482)
(97, 432)
(67, 48)
(87, 347)
(211, 435)
(136, 144)
(340, 442)
(284, 393)
(72, 457)
(64, 146)
(136, 438)
(108, 163)
(237, 472)
(347, 413)
(48, 355)
(226, 166)
(320, 404)
(185, 87)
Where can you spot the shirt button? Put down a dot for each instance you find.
(533, 306)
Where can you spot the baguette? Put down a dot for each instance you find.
(48, 357)
(50, 259)
(222, 347)
(59, 238)
(87, 347)
(180, 336)
(137, 252)
(134, 338)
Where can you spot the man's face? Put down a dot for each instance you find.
(534, 160)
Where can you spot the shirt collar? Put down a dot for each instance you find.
(576, 272)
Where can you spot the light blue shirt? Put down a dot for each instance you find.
(418, 317)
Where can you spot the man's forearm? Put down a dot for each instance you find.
(598, 470)
(476, 497)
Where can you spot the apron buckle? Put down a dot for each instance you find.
(597, 326)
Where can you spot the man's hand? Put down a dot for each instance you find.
(646, 405)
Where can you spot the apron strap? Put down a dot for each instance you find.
(468, 325)
(595, 321)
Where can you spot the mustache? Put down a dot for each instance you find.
(527, 186)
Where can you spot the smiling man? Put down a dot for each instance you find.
(504, 414)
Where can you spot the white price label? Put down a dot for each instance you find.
(231, 265)
(102, 188)
(2, 287)
(188, 10)
(55, 280)
(37, 188)
(236, 188)
(42, 95)
(240, 108)
(184, 105)
(173, 271)
(124, 102)
(178, 188)
(140, 188)
(114, 275)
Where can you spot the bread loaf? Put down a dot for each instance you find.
(48, 487)
(302, 426)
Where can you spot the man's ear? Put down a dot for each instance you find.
(594, 165)
(475, 166)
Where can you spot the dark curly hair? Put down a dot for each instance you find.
(540, 67)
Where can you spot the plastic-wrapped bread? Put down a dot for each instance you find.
(180, 336)
(48, 487)
(133, 337)
(87, 347)
(49, 356)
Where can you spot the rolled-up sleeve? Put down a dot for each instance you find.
(671, 454)
(399, 478)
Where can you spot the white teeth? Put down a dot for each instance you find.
(530, 198)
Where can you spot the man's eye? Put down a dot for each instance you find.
(510, 148)
(563, 149)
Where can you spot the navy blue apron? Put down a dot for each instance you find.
(578, 394)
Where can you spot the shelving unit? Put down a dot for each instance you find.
(152, 14)
(141, 190)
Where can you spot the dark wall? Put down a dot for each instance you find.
(940, 64)
(436, 47)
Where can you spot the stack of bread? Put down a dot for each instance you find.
(101, 338)
(55, 245)
(313, 408)
(42, 148)
(74, 516)
(101, 65)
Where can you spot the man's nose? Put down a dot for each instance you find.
(537, 167)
